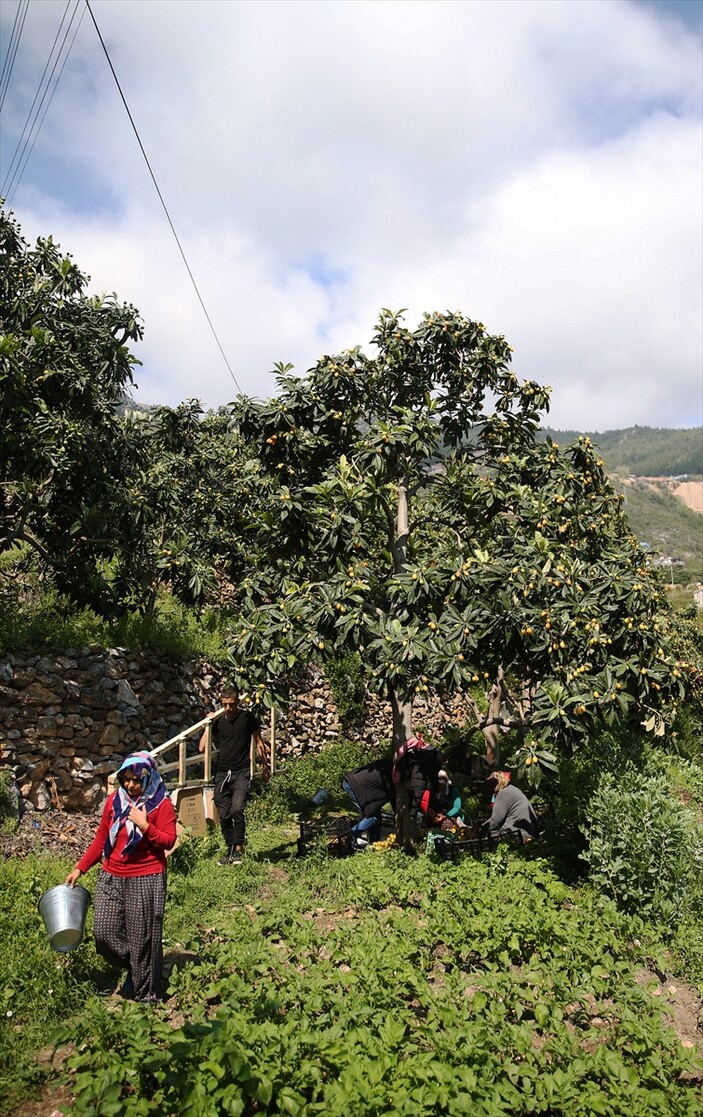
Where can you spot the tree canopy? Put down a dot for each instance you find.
(396, 503)
(407, 510)
(64, 370)
(189, 500)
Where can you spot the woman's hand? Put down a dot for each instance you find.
(72, 877)
(137, 815)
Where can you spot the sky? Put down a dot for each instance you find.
(535, 164)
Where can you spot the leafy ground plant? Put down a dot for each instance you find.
(642, 844)
(376, 984)
(380, 984)
(37, 987)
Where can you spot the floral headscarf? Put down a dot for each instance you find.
(153, 792)
(413, 744)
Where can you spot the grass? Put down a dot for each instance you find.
(52, 622)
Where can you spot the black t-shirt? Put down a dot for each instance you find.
(233, 739)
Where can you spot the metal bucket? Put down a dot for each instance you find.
(63, 910)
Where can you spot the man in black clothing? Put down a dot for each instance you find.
(232, 736)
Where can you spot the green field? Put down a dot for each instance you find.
(375, 984)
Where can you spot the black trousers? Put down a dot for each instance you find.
(230, 797)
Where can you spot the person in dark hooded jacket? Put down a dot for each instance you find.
(369, 789)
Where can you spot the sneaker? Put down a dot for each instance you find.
(226, 859)
(236, 857)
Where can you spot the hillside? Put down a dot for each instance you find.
(644, 451)
(660, 472)
(664, 522)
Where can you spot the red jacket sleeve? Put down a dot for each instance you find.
(161, 828)
(94, 852)
(160, 832)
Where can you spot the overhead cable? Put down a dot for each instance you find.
(18, 177)
(45, 90)
(15, 36)
(161, 199)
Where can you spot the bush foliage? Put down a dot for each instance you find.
(643, 845)
(50, 621)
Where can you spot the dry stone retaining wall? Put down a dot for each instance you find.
(66, 721)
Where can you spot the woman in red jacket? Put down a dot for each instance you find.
(137, 827)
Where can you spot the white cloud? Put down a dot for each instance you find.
(535, 164)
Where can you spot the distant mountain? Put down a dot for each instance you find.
(641, 462)
(129, 405)
(644, 451)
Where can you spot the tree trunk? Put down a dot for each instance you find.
(405, 825)
(402, 718)
(491, 733)
(400, 544)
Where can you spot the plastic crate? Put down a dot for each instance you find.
(387, 824)
(451, 850)
(336, 832)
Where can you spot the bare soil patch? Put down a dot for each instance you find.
(691, 493)
(53, 833)
(53, 1101)
(681, 1006)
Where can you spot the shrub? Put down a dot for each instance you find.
(175, 629)
(51, 621)
(8, 802)
(642, 845)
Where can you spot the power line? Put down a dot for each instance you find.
(15, 36)
(29, 123)
(31, 126)
(27, 157)
(163, 203)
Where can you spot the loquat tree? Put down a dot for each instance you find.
(406, 511)
(65, 455)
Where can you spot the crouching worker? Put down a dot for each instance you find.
(445, 811)
(369, 789)
(137, 827)
(414, 773)
(512, 810)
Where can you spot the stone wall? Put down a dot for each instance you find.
(67, 721)
(311, 718)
